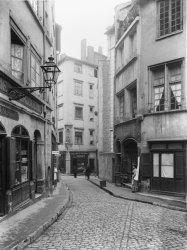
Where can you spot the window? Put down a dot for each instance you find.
(91, 137)
(60, 136)
(91, 113)
(60, 88)
(17, 55)
(60, 112)
(175, 79)
(169, 16)
(21, 155)
(78, 67)
(77, 87)
(167, 165)
(91, 90)
(155, 165)
(167, 93)
(35, 71)
(95, 72)
(163, 165)
(78, 137)
(79, 113)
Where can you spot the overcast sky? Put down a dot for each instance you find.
(84, 19)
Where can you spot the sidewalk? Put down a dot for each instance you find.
(24, 227)
(171, 202)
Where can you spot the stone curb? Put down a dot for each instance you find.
(147, 202)
(33, 236)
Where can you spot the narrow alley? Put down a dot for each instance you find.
(96, 220)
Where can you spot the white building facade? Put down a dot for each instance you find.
(77, 114)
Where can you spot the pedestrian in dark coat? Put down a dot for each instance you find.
(75, 171)
(88, 172)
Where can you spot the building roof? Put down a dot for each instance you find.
(69, 58)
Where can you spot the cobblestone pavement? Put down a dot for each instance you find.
(98, 221)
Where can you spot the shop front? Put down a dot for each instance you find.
(19, 164)
(79, 159)
(163, 169)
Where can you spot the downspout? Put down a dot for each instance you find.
(45, 109)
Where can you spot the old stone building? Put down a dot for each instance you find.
(78, 110)
(106, 71)
(27, 120)
(150, 94)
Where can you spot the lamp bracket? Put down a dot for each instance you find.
(18, 93)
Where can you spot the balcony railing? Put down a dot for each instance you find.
(123, 25)
(127, 117)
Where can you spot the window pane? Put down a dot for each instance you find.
(169, 16)
(167, 172)
(167, 165)
(78, 113)
(155, 165)
(35, 71)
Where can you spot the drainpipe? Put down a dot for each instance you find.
(45, 109)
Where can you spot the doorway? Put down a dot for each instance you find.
(130, 155)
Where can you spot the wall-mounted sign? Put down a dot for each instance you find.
(7, 112)
(27, 100)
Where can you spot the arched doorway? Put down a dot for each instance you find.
(130, 156)
(21, 171)
(37, 167)
(2, 169)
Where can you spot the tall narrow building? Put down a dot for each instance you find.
(78, 110)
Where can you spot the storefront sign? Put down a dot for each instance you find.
(7, 112)
(55, 152)
(27, 101)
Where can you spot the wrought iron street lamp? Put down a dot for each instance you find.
(50, 74)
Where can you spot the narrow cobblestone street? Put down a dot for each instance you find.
(97, 220)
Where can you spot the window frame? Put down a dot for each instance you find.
(91, 113)
(62, 132)
(168, 68)
(17, 38)
(76, 141)
(160, 165)
(78, 88)
(78, 117)
(159, 36)
(38, 61)
(92, 134)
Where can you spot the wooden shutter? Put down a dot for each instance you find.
(31, 161)
(145, 165)
(179, 172)
(11, 160)
(179, 160)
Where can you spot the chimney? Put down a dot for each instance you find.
(90, 54)
(83, 49)
(100, 50)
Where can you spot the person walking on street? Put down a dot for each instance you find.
(75, 171)
(88, 171)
